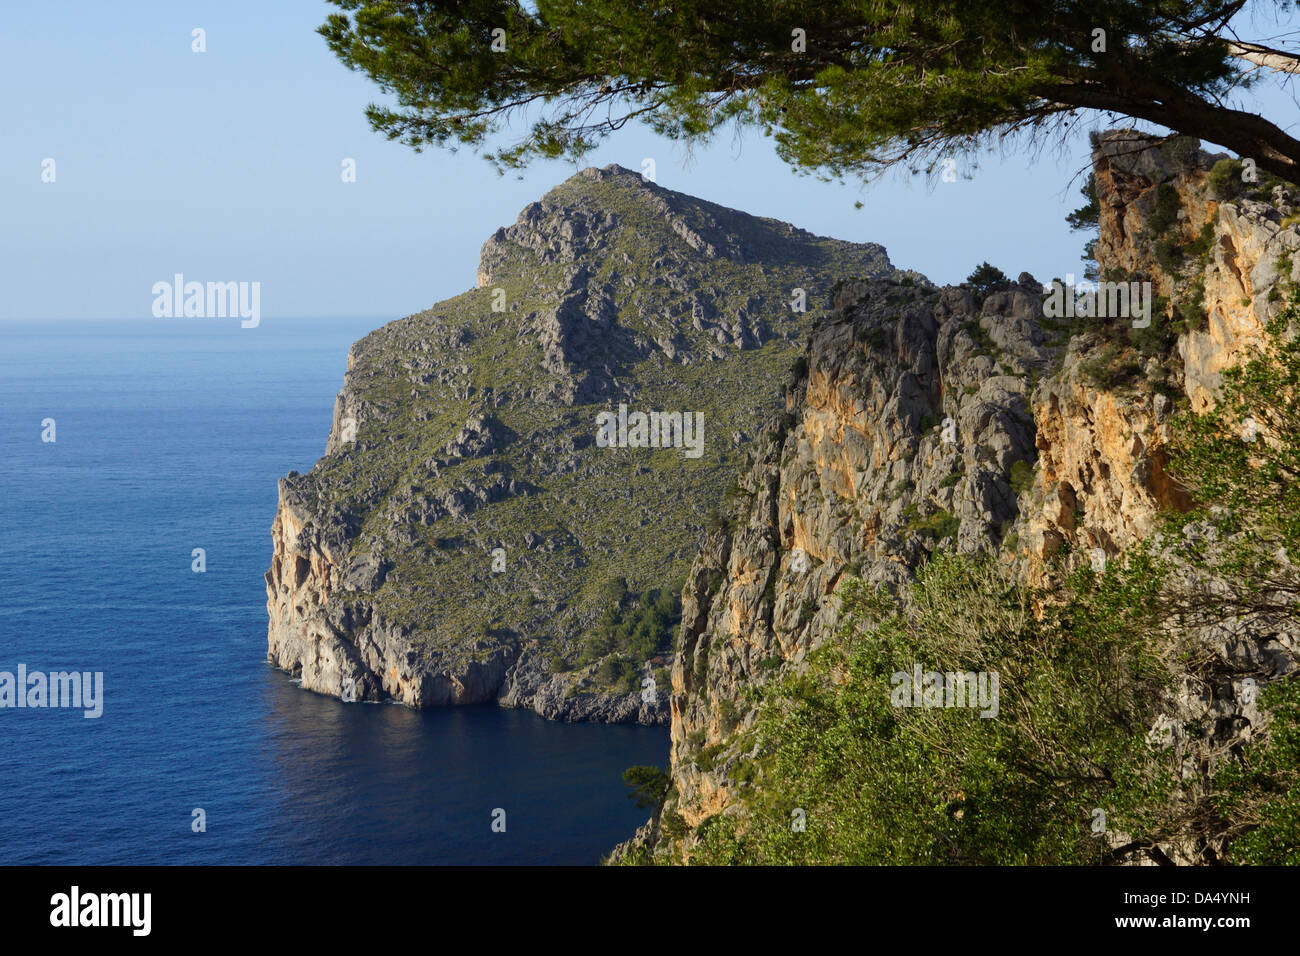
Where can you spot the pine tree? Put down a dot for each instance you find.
(844, 87)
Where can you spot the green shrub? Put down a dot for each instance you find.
(1191, 313)
(1199, 248)
(1022, 477)
(1262, 785)
(1224, 181)
(1168, 252)
(708, 756)
(1164, 216)
(1159, 339)
(717, 521)
(648, 785)
(940, 525)
(730, 714)
(987, 279)
(700, 669)
(882, 784)
(1110, 368)
(672, 825)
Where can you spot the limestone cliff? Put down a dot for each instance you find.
(1100, 444)
(923, 418)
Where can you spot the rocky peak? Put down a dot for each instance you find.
(453, 543)
(598, 212)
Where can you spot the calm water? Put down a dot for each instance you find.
(170, 436)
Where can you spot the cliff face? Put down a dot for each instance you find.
(1101, 460)
(927, 414)
(1243, 246)
(904, 431)
(467, 536)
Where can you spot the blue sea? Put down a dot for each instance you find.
(169, 436)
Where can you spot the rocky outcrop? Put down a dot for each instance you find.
(899, 437)
(1239, 224)
(458, 541)
(1102, 466)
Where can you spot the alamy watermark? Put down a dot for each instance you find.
(951, 689)
(683, 430)
(82, 690)
(1115, 300)
(213, 300)
(129, 910)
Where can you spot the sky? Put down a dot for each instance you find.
(226, 165)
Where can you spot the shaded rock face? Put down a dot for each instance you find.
(912, 416)
(454, 543)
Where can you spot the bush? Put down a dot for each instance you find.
(1261, 787)
(1224, 181)
(700, 669)
(906, 785)
(1168, 253)
(1191, 311)
(729, 713)
(649, 785)
(987, 279)
(1200, 246)
(717, 521)
(708, 756)
(1110, 369)
(1159, 339)
(672, 825)
(1164, 216)
(940, 525)
(1022, 477)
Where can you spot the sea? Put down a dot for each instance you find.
(169, 436)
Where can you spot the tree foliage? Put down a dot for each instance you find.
(647, 785)
(882, 784)
(1240, 466)
(1087, 216)
(987, 278)
(630, 632)
(844, 87)
(1259, 792)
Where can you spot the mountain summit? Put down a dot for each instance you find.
(515, 479)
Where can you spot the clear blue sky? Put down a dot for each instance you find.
(225, 166)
